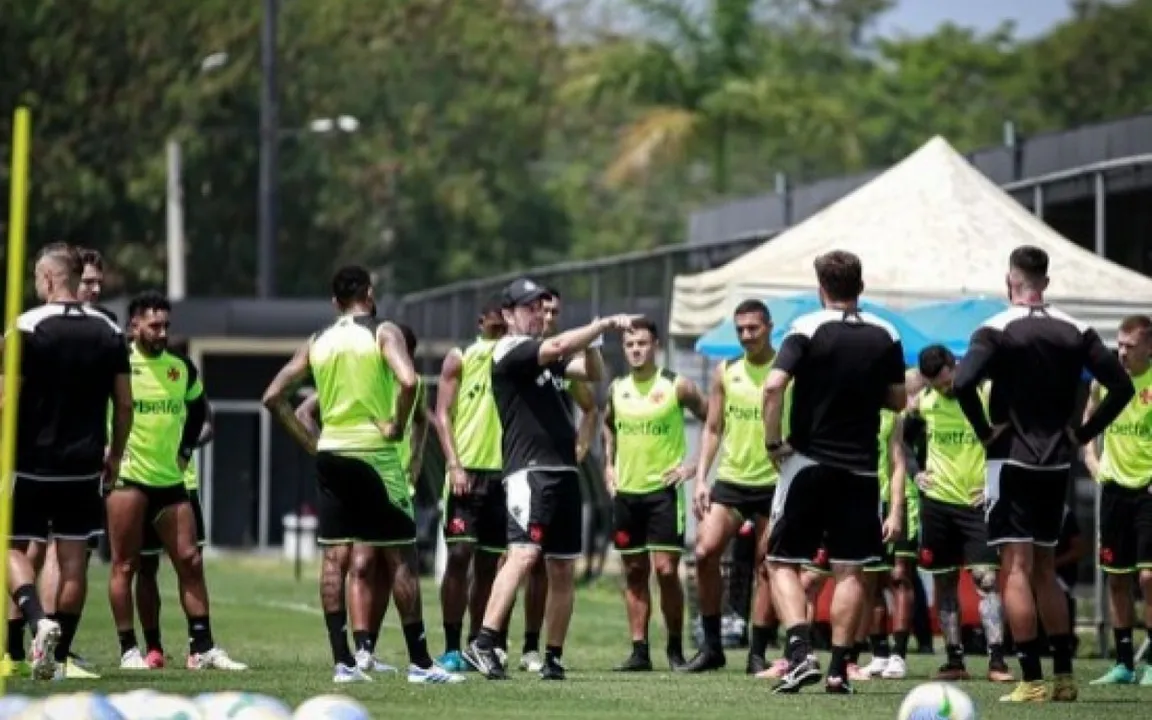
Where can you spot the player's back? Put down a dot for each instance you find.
(355, 385)
(842, 363)
(1036, 373)
(71, 356)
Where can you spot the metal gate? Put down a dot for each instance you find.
(236, 475)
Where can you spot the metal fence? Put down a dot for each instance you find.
(641, 282)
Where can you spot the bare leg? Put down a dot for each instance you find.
(535, 601)
(333, 569)
(362, 595)
(637, 598)
(406, 592)
(667, 568)
(850, 593)
(1053, 609)
(148, 601)
(454, 593)
(712, 535)
(49, 576)
(126, 508)
(987, 581)
(72, 558)
(485, 564)
(561, 599)
(903, 600)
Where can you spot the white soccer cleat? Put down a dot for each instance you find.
(43, 660)
(367, 662)
(531, 662)
(343, 675)
(897, 669)
(876, 668)
(214, 659)
(133, 660)
(434, 675)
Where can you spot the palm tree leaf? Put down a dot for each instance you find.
(661, 134)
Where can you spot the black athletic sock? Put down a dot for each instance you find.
(1029, 652)
(773, 633)
(127, 640)
(1062, 647)
(502, 639)
(799, 643)
(900, 643)
(152, 639)
(452, 633)
(362, 640)
(880, 647)
(838, 665)
(200, 635)
(711, 626)
(640, 648)
(16, 640)
(337, 623)
(29, 604)
(69, 622)
(1125, 654)
(531, 642)
(955, 654)
(417, 642)
(553, 654)
(996, 653)
(373, 638)
(759, 645)
(859, 649)
(675, 645)
(487, 638)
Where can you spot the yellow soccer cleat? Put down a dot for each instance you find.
(1064, 689)
(73, 671)
(1027, 692)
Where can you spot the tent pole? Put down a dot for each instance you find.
(1101, 215)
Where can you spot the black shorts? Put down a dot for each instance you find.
(1125, 528)
(954, 537)
(481, 516)
(649, 522)
(1025, 505)
(159, 499)
(152, 544)
(363, 498)
(545, 508)
(822, 507)
(63, 509)
(747, 501)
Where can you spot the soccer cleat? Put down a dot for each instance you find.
(553, 670)
(80, 662)
(798, 676)
(71, 670)
(502, 654)
(531, 661)
(344, 674)
(855, 673)
(838, 686)
(367, 662)
(214, 659)
(676, 659)
(155, 659)
(1027, 692)
(998, 671)
(485, 660)
(756, 664)
(876, 668)
(433, 675)
(952, 672)
(705, 660)
(15, 668)
(452, 661)
(1064, 689)
(43, 660)
(1117, 675)
(896, 669)
(133, 660)
(635, 663)
(777, 670)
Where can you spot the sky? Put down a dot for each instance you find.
(916, 17)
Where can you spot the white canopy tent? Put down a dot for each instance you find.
(932, 227)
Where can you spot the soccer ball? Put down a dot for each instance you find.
(233, 705)
(78, 706)
(11, 706)
(154, 706)
(937, 701)
(331, 707)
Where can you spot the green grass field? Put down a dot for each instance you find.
(265, 618)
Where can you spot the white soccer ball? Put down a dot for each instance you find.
(331, 707)
(153, 706)
(77, 706)
(11, 706)
(937, 701)
(234, 705)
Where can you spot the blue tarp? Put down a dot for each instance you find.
(952, 323)
(721, 341)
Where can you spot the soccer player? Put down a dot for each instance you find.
(74, 365)
(475, 512)
(844, 366)
(1034, 355)
(147, 576)
(1124, 472)
(539, 453)
(646, 457)
(579, 393)
(744, 488)
(954, 535)
(366, 386)
(170, 410)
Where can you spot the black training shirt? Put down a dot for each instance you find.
(1035, 356)
(842, 364)
(537, 429)
(71, 356)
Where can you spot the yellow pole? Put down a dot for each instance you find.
(13, 304)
